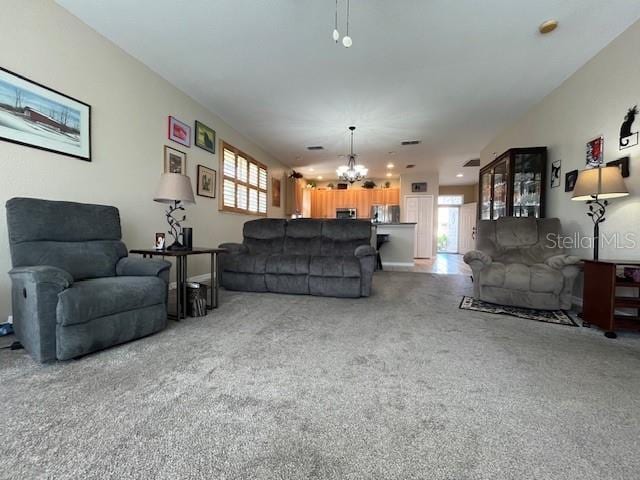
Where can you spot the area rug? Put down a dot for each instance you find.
(558, 317)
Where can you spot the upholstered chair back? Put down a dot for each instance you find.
(264, 236)
(82, 239)
(525, 240)
(342, 237)
(303, 237)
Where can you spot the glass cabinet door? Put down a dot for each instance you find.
(527, 184)
(485, 198)
(500, 190)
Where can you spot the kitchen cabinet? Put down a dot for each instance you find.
(513, 185)
(294, 196)
(325, 202)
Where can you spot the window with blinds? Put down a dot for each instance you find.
(244, 183)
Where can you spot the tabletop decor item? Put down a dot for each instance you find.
(179, 132)
(175, 190)
(159, 242)
(175, 161)
(205, 137)
(40, 117)
(597, 186)
(206, 186)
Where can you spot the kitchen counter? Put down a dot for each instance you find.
(399, 250)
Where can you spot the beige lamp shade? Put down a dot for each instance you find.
(603, 182)
(174, 187)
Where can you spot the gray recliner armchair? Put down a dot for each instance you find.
(74, 290)
(519, 262)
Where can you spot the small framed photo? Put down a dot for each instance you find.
(205, 137)
(570, 180)
(206, 182)
(595, 152)
(419, 187)
(555, 173)
(159, 242)
(175, 161)
(622, 164)
(179, 132)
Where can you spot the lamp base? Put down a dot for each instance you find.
(176, 246)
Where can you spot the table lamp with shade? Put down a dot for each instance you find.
(175, 190)
(597, 186)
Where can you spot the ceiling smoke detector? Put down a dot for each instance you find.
(410, 142)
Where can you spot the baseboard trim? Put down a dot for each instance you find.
(398, 264)
(195, 278)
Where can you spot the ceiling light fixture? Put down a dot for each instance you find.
(548, 26)
(351, 172)
(336, 33)
(346, 40)
(390, 165)
(460, 175)
(319, 177)
(389, 174)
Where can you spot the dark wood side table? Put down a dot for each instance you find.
(181, 257)
(600, 299)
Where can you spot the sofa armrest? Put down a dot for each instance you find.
(558, 262)
(34, 295)
(43, 274)
(365, 251)
(234, 248)
(477, 259)
(143, 267)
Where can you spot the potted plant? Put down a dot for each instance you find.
(369, 184)
(387, 184)
(311, 184)
(330, 186)
(295, 174)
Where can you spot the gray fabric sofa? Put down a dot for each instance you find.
(74, 290)
(315, 257)
(518, 263)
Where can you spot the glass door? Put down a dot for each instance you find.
(527, 184)
(485, 196)
(500, 173)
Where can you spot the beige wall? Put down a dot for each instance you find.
(469, 192)
(432, 180)
(590, 103)
(130, 105)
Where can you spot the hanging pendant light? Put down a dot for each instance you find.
(351, 172)
(336, 33)
(346, 40)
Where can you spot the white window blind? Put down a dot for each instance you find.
(244, 184)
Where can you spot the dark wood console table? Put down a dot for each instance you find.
(600, 299)
(181, 274)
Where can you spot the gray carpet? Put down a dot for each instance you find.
(400, 385)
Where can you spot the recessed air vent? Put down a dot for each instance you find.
(472, 163)
(315, 147)
(411, 165)
(411, 142)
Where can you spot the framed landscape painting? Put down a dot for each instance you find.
(37, 116)
(175, 161)
(206, 182)
(205, 137)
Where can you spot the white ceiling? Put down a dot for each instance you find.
(449, 73)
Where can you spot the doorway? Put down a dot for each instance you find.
(449, 223)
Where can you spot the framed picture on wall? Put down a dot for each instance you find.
(570, 180)
(275, 192)
(205, 137)
(175, 161)
(206, 182)
(595, 152)
(179, 132)
(419, 187)
(555, 173)
(40, 117)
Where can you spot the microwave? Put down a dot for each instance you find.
(346, 213)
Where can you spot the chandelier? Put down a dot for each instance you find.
(346, 40)
(351, 172)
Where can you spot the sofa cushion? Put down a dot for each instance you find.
(516, 276)
(265, 235)
(334, 266)
(245, 263)
(303, 237)
(288, 264)
(342, 237)
(99, 297)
